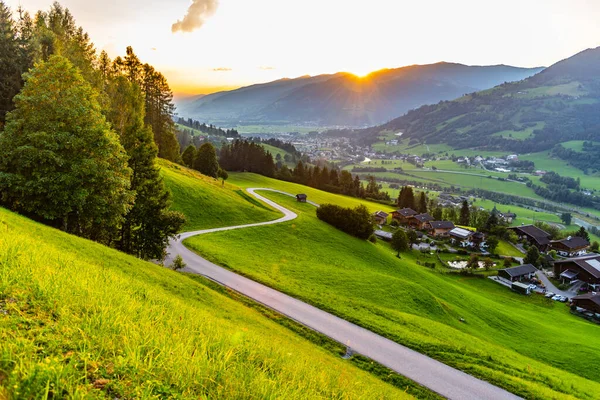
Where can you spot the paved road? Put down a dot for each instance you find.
(438, 377)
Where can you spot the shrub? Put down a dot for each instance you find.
(354, 221)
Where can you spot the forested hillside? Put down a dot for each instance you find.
(80, 134)
(561, 103)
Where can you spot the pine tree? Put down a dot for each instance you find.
(10, 68)
(60, 163)
(465, 214)
(149, 225)
(206, 160)
(422, 208)
(188, 156)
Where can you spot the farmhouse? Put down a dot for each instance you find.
(418, 221)
(525, 271)
(402, 216)
(439, 228)
(588, 301)
(380, 217)
(301, 198)
(573, 246)
(586, 269)
(534, 235)
(461, 236)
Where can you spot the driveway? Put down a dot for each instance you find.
(438, 377)
(550, 286)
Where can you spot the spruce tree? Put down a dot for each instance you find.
(422, 203)
(149, 225)
(10, 69)
(465, 214)
(60, 163)
(188, 156)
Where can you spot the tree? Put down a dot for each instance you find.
(465, 214)
(206, 160)
(149, 224)
(60, 163)
(188, 156)
(595, 246)
(422, 206)
(582, 233)
(399, 241)
(507, 262)
(488, 263)
(566, 218)
(10, 68)
(411, 236)
(532, 256)
(406, 199)
(223, 175)
(438, 214)
(473, 262)
(492, 243)
(178, 263)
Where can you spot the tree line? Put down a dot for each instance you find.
(81, 134)
(354, 221)
(208, 129)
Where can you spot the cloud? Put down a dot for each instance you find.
(222, 69)
(196, 15)
(266, 68)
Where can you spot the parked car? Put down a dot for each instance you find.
(556, 297)
(549, 295)
(563, 299)
(532, 286)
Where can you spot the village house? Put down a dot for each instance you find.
(402, 216)
(519, 273)
(387, 236)
(586, 269)
(508, 217)
(588, 301)
(439, 228)
(380, 217)
(301, 198)
(534, 235)
(418, 221)
(461, 236)
(573, 246)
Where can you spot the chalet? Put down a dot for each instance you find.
(439, 228)
(522, 272)
(402, 216)
(586, 269)
(534, 235)
(461, 236)
(573, 246)
(588, 301)
(301, 198)
(380, 217)
(418, 221)
(478, 240)
(387, 236)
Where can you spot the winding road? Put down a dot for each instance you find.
(436, 376)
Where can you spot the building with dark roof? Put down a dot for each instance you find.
(525, 271)
(534, 235)
(418, 221)
(380, 217)
(588, 301)
(301, 198)
(586, 269)
(573, 246)
(439, 228)
(387, 236)
(402, 216)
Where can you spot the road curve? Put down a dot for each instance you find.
(434, 375)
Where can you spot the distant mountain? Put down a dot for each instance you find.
(560, 103)
(346, 100)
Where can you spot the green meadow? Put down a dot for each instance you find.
(207, 203)
(529, 345)
(79, 320)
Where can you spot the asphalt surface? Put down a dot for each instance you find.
(438, 377)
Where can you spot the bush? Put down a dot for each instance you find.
(373, 239)
(354, 221)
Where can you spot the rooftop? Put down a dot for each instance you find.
(520, 270)
(407, 212)
(537, 234)
(424, 217)
(461, 233)
(590, 264)
(442, 225)
(572, 242)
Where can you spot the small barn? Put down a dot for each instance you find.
(525, 271)
(380, 217)
(383, 235)
(301, 198)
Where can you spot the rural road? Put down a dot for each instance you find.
(438, 377)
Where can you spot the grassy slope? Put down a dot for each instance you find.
(207, 203)
(526, 344)
(79, 320)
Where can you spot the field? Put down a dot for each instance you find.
(250, 130)
(207, 203)
(79, 320)
(514, 341)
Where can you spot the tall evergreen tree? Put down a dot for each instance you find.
(149, 224)
(206, 160)
(10, 68)
(465, 214)
(60, 163)
(422, 206)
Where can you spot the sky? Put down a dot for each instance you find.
(240, 42)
